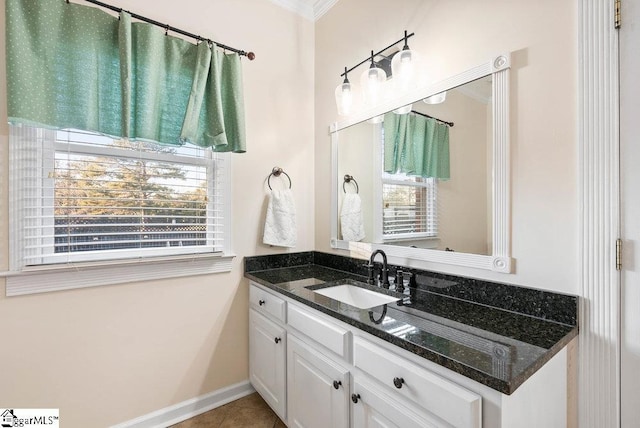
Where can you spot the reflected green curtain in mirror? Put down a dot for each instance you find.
(416, 146)
(75, 66)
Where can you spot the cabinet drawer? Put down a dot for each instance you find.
(450, 402)
(324, 332)
(267, 303)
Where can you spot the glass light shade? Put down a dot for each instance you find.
(436, 99)
(344, 98)
(373, 85)
(403, 69)
(403, 110)
(376, 119)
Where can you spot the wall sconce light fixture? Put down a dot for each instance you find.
(373, 80)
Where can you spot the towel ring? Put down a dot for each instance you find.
(348, 179)
(276, 171)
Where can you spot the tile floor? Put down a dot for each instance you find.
(247, 412)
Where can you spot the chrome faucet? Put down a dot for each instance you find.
(385, 270)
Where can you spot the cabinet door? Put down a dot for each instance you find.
(267, 361)
(371, 407)
(317, 389)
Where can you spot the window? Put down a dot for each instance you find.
(409, 207)
(409, 204)
(78, 197)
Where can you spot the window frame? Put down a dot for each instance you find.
(82, 271)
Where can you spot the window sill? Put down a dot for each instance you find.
(410, 237)
(81, 275)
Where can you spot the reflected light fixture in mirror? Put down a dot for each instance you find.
(437, 98)
(344, 96)
(373, 82)
(376, 119)
(403, 110)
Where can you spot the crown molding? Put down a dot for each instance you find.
(309, 9)
(320, 7)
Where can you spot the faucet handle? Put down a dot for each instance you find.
(399, 281)
(369, 267)
(412, 279)
(384, 277)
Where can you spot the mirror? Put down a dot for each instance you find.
(459, 218)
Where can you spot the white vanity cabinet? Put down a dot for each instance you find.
(317, 388)
(373, 407)
(406, 382)
(318, 372)
(267, 349)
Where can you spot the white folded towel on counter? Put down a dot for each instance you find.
(280, 223)
(351, 222)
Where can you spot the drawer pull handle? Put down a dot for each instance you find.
(355, 398)
(277, 339)
(261, 302)
(336, 384)
(397, 382)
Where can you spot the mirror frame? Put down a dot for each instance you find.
(500, 260)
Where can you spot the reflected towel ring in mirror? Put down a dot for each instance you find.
(276, 171)
(348, 179)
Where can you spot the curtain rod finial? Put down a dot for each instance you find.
(251, 56)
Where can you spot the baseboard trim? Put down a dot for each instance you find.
(189, 408)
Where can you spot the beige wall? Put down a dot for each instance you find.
(456, 35)
(462, 200)
(109, 354)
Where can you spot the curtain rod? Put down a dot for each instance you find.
(431, 117)
(168, 28)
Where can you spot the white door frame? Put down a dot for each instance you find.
(598, 165)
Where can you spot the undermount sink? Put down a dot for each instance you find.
(356, 296)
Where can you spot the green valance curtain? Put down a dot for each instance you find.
(75, 66)
(416, 145)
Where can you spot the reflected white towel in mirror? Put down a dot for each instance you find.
(280, 223)
(351, 222)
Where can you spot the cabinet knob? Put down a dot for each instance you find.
(336, 384)
(397, 382)
(355, 398)
(277, 339)
(261, 302)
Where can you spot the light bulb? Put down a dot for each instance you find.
(404, 66)
(344, 99)
(344, 96)
(373, 85)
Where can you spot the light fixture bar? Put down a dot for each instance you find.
(403, 39)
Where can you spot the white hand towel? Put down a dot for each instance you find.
(351, 222)
(280, 223)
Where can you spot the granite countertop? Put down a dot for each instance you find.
(495, 334)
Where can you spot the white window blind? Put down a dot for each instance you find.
(409, 204)
(409, 207)
(77, 196)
